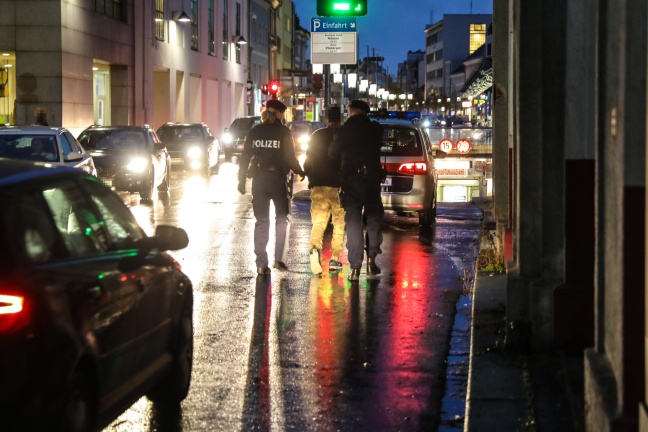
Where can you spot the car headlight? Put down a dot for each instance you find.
(227, 138)
(194, 153)
(138, 164)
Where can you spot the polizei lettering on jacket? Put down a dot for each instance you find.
(266, 143)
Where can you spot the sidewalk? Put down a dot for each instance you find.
(510, 391)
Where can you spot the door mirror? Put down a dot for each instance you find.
(73, 157)
(158, 146)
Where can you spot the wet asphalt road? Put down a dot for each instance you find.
(294, 351)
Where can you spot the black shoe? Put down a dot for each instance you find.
(280, 265)
(335, 265)
(354, 276)
(372, 268)
(263, 270)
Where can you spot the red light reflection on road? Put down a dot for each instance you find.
(404, 387)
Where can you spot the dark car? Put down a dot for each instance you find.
(94, 313)
(129, 158)
(301, 131)
(46, 144)
(191, 145)
(408, 157)
(233, 138)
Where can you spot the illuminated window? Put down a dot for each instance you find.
(477, 36)
(194, 25)
(159, 20)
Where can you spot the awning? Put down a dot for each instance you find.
(480, 81)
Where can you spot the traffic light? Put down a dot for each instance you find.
(341, 8)
(273, 89)
(264, 89)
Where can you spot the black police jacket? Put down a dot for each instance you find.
(320, 168)
(358, 144)
(272, 146)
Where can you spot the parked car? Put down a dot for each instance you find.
(428, 121)
(233, 138)
(129, 158)
(301, 131)
(94, 314)
(408, 157)
(46, 144)
(191, 145)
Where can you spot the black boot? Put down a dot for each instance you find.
(372, 268)
(354, 276)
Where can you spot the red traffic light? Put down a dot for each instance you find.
(274, 88)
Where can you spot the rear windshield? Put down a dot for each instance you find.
(401, 142)
(180, 134)
(29, 147)
(244, 124)
(112, 139)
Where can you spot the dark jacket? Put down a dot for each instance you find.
(272, 146)
(320, 168)
(358, 144)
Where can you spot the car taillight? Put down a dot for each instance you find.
(414, 168)
(13, 313)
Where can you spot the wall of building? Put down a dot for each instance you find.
(571, 127)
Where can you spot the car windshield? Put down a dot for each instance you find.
(29, 147)
(244, 124)
(401, 142)
(180, 134)
(109, 139)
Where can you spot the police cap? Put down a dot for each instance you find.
(361, 105)
(276, 104)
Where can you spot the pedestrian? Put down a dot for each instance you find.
(358, 144)
(323, 174)
(269, 156)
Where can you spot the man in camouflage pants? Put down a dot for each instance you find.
(324, 183)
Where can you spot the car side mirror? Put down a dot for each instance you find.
(159, 146)
(73, 157)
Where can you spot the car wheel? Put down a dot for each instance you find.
(427, 216)
(175, 386)
(79, 407)
(164, 186)
(147, 189)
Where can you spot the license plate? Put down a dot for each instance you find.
(107, 181)
(387, 182)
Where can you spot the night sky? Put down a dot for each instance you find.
(394, 27)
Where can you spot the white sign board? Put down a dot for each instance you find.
(333, 40)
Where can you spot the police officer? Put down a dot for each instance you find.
(270, 147)
(324, 183)
(357, 144)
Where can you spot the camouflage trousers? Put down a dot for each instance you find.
(325, 204)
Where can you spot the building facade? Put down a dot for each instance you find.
(447, 44)
(569, 172)
(81, 62)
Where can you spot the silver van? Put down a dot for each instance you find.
(408, 158)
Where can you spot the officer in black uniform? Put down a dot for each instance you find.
(357, 144)
(269, 153)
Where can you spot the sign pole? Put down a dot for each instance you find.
(327, 87)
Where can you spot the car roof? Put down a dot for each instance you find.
(31, 129)
(125, 127)
(181, 124)
(14, 171)
(398, 122)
